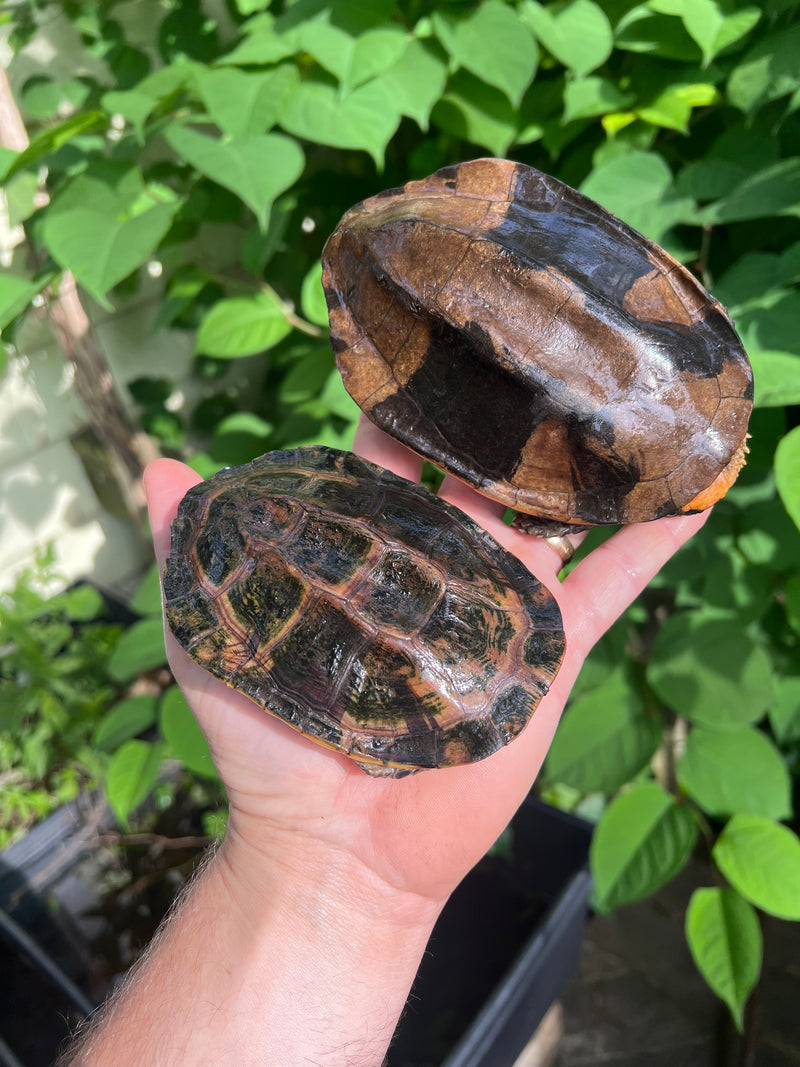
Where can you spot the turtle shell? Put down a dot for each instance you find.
(361, 609)
(520, 336)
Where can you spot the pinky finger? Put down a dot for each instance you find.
(604, 584)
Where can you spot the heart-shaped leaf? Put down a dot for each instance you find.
(492, 43)
(104, 225)
(257, 167)
(577, 33)
(366, 118)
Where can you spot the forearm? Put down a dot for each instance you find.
(311, 967)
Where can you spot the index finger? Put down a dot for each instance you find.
(165, 482)
(378, 447)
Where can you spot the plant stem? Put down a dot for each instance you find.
(129, 448)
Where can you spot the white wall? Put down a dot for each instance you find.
(46, 495)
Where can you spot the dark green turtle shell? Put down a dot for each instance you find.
(523, 338)
(361, 609)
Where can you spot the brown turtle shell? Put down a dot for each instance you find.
(361, 609)
(517, 334)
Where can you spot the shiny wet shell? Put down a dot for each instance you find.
(361, 609)
(517, 334)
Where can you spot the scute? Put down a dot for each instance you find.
(517, 334)
(330, 612)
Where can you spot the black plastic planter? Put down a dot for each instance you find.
(504, 948)
(502, 951)
(44, 954)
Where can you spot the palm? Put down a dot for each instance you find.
(420, 833)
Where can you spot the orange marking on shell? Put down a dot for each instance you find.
(722, 483)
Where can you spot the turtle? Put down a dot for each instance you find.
(521, 337)
(361, 609)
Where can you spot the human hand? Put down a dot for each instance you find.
(417, 835)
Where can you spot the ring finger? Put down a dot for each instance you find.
(538, 556)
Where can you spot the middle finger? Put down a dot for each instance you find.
(539, 557)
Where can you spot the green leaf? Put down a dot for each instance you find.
(672, 108)
(350, 40)
(337, 401)
(724, 937)
(240, 437)
(257, 168)
(492, 43)
(242, 103)
(15, 296)
(641, 842)
(791, 600)
(587, 97)
(125, 720)
(709, 179)
(710, 671)
(136, 105)
(775, 190)
(768, 71)
(787, 473)
(759, 279)
(81, 604)
(371, 54)
(40, 97)
(476, 112)
(248, 7)
(262, 45)
(308, 374)
(312, 297)
(140, 649)
(577, 33)
(416, 81)
(638, 188)
(367, 118)
(761, 859)
(7, 159)
(185, 738)
(777, 377)
(242, 326)
(649, 33)
(21, 193)
(711, 26)
(147, 598)
(131, 775)
(49, 141)
(730, 771)
(103, 227)
(604, 739)
(784, 713)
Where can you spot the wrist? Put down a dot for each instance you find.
(312, 879)
(325, 950)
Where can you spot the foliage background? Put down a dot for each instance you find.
(248, 128)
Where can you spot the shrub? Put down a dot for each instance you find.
(218, 154)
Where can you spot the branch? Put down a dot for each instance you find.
(129, 448)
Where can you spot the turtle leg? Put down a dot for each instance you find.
(381, 770)
(538, 526)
